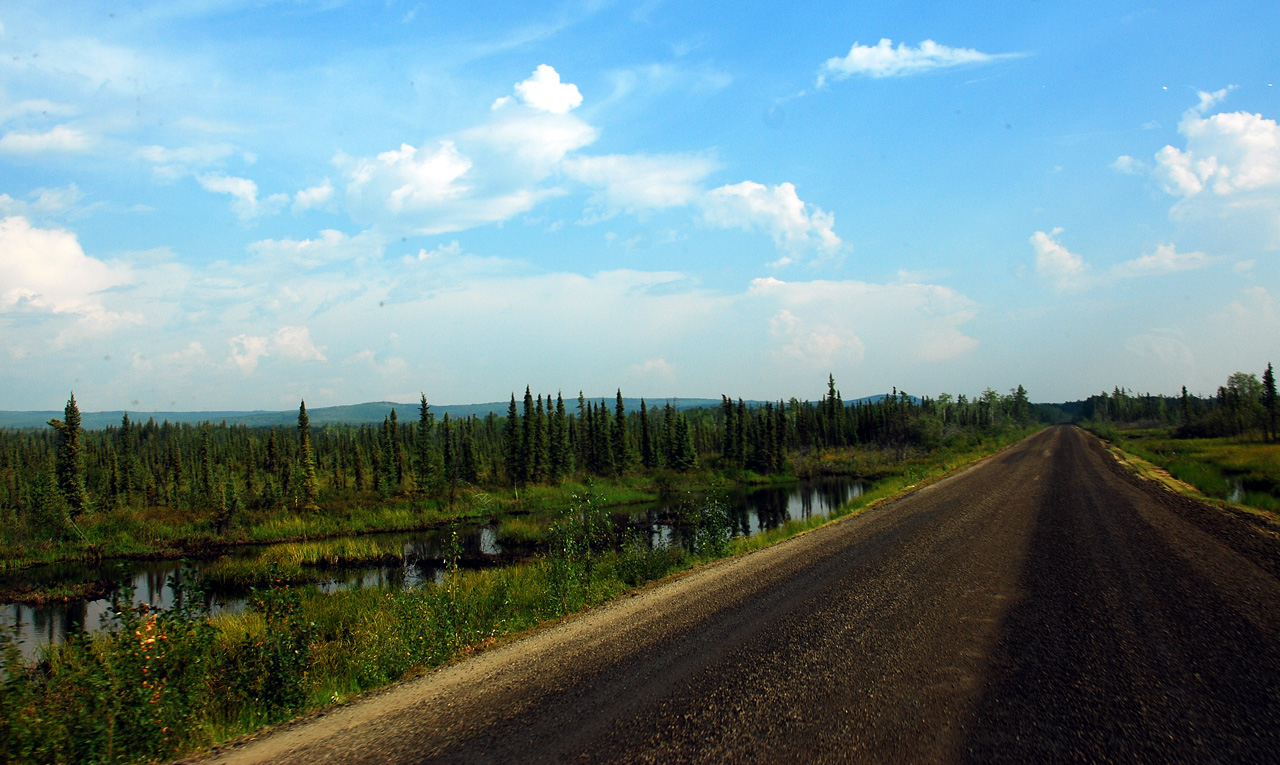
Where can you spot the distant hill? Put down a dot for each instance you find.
(350, 414)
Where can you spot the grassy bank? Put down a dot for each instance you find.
(163, 532)
(158, 684)
(1230, 469)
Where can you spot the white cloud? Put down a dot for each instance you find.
(1055, 262)
(1163, 348)
(314, 197)
(440, 252)
(1228, 169)
(637, 182)
(1128, 165)
(537, 141)
(244, 194)
(171, 164)
(1226, 154)
(295, 343)
(246, 351)
(841, 324)
(39, 106)
(652, 374)
(389, 367)
(38, 265)
(884, 60)
(779, 211)
(58, 139)
(438, 188)
(1165, 260)
(290, 342)
(43, 202)
(329, 246)
(544, 91)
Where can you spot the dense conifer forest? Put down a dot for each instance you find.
(1244, 406)
(223, 475)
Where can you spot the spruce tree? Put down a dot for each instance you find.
(558, 450)
(427, 469)
(307, 460)
(69, 465)
(385, 466)
(1269, 403)
(541, 457)
(511, 443)
(621, 447)
(647, 456)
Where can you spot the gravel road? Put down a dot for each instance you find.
(1044, 605)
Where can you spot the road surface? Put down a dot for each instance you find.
(1042, 605)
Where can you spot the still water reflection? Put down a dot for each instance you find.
(415, 558)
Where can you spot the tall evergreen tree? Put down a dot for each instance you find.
(541, 458)
(69, 463)
(310, 489)
(1269, 404)
(527, 439)
(426, 460)
(385, 468)
(647, 456)
(621, 446)
(511, 444)
(558, 450)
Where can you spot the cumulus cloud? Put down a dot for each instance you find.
(59, 139)
(329, 246)
(884, 60)
(291, 342)
(1227, 153)
(1228, 167)
(795, 226)
(657, 370)
(295, 343)
(246, 351)
(438, 253)
(1066, 269)
(545, 92)
(637, 182)
(1165, 260)
(527, 152)
(840, 324)
(537, 142)
(38, 265)
(42, 202)
(314, 197)
(244, 194)
(429, 190)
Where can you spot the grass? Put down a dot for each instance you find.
(159, 684)
(1229, 469)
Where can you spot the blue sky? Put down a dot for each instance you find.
(215, 205)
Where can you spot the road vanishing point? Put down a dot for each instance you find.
(1044, 605)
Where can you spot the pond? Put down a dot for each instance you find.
(394, 560)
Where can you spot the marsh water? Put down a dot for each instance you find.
(400, 560)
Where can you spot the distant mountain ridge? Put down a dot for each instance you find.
(347, 414)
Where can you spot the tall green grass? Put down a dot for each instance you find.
(1247, 472)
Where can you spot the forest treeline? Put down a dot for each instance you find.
(1244, 406)
(50, 477)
